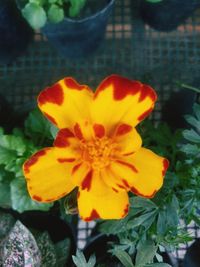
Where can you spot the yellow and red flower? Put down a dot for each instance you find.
(97, 148)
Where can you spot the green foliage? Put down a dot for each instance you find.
(15, 148)
(155, 223)
(80, 260)
(19, 247)
(38, 12)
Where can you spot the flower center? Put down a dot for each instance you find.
(98, 152)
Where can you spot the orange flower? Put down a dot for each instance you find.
(97, 148)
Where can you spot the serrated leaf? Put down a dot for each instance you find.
(19, 248)
(192, 121)
(80, 261)
(21, 201)
(124, 258)
(140, 220)
(159, 264)
(190, 149)
(140, 202)
(145, 253)
(191, 136)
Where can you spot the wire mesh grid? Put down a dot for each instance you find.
(130, 48)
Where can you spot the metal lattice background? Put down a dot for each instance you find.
(131, 49)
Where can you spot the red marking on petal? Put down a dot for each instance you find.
(37, 198)
(30, 162)
(115, 190)
(165, 166)
(76, 167)
(99, 130)
(121, 186)
(78, 132)
(128, 154)
(122, 86)
(86, 184)
(126, 183)
(127, 165)
(50, 199)
(50, 118)
(62, 138)
(145, 114)
(93, 216)
(136, 192)
(147, 91)
(125, 211)
(72, 84)
(53, 94)
(66, 160)
(123, 129)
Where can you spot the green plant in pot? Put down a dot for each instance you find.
(167, 15)
(74, 27)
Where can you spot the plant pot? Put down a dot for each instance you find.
(192, 256)
(177, 106)
(57, 229)
(167, 15)
(78, 38)
(14, 31)
(99, 246)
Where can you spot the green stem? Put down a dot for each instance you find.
(186, 86)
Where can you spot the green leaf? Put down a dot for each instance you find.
(76, 6)
(62, 249)
(10, 147)
(159, 264)
(55, 14)
(140, 202)
(35, 15)
(145, 253)
(124, 257)
(21, 201)
(37, 127)
(19, 248)
(191, 136)
(190, 149)
(80, 261)
(140, 220)
(192, 121)
(47, 250)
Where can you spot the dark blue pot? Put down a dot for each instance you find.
(167, 15)
(78, 38)
(192, 256)
(14, 31)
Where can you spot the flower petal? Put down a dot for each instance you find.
(101, 201)
(151, 171)
(128, 139)
(120, 175)
(48, 177)
(65, 102)
(118, 99)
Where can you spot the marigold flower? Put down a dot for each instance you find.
(97, 148)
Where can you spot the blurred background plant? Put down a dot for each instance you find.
(38, 12)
